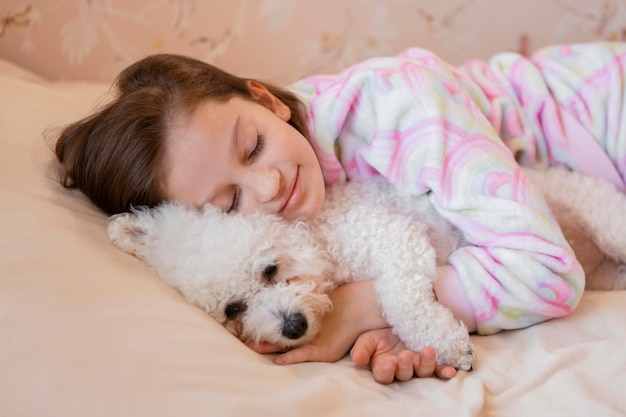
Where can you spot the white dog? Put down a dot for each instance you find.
(267, 280)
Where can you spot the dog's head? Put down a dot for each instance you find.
(264, 279)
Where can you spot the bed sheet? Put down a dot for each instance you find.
(87, 330)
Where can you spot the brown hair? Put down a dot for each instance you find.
(114, 156)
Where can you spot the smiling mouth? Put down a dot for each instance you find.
(294, 194)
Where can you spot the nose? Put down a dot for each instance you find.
(294, 326)
(265, 184)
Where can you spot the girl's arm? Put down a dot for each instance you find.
(356, 324)
(422, 125)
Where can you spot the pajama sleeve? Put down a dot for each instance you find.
(420, 123)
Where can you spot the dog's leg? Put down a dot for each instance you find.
(378, 234)
(395, 250)
(409, 302)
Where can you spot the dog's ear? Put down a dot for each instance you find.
(131, 231)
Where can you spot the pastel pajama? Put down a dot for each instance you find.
(460, 135)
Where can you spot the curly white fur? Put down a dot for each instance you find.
(268, 280)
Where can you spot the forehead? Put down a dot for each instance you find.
(205, 125)
(197, 147)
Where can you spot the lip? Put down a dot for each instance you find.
(295, 193)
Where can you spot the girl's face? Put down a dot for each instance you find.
(242, 156)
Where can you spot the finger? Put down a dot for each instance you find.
(384, 370)
(404, 366)
(264, 347)
(445, 371)
(362, 351)
(426, 365)
(307, 353)
(360, 356)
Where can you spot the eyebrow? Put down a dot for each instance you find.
(234, 139)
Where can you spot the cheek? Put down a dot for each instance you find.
(315, 179)
(315, 195)
(318, 199)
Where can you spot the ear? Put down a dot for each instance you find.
(263, 96)
(130, 231)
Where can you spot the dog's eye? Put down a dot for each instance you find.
(269, 272)
(235, 309)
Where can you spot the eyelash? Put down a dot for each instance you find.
(235, 203)
(260, 143)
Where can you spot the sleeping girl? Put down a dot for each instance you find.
(181, 129)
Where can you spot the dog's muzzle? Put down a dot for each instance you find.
(294, 326)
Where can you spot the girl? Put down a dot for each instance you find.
(181, 129)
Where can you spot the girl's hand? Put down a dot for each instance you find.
(356, 321)
(389, 358)
(355, 311)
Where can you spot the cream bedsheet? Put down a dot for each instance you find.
(86, 330)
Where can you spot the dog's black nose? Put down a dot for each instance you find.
(294, 326)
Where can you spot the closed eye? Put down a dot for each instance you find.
(260, 143)
(235, 203)
(258, 147)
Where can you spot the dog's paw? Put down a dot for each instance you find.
(465, 359)
(457, 349)
(125, 232)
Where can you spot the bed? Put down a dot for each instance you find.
(87, 330)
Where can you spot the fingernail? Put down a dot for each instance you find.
(449, 373)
